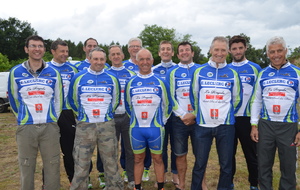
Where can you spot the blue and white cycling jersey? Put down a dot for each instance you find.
(248, 72)
(35, 100)
(131, 66)
(275, 94)
(216, 94)
(123, 75)
(94, 96)
(162, 69)
(179, 80)
(67, 72)
(147, 101)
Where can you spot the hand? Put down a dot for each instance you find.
(297, 140)
(254, 133)
(188, 119)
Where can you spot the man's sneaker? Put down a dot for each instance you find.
(124, 175)
(130, 185)
(90, 185)
(145, 175)
(253, 188)
(101, 179)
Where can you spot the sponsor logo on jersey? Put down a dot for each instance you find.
(271, 74)
(278, 82)
(25, 75)
(215, 83)
(183, 83)
(66, 76)
(145, 90)
(96, 89)
(146, 101)
(122, 81)
(276, 93)
(36, 80)
(144, 115)
(183, 75)
(214, 97)
(214, 113)
(96, 113)
(38, 108)
(210, 74)
(224, 76)
(245, 79)
(276, 109)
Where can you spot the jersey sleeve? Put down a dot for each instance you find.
(58, 95)
(256, 101)
(237, 93)
(13, 92)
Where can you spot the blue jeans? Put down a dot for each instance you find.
(224, 135)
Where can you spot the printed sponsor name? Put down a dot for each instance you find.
(144, 101)
(144, 90)
(95, 89)
(183, 82)
(215, 83)
(278, 81)
(33, 81)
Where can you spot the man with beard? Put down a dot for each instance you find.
(248, 72)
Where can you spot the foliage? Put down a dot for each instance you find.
(152, 35)
(295, 56)
(17, 62)
(13, 34)
(4, 63)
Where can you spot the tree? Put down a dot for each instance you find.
(294, 57)
(152, 35)
(4, 63)
(13, 34)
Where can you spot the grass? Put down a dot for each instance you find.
(9, 175)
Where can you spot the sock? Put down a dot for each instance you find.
(137, 186)
(160, 185)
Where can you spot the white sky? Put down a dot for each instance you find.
(119, 20)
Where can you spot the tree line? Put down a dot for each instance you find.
(13, 33)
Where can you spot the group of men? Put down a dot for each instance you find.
(148, 105)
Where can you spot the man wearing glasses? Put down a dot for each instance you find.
(134, 46)
(36, 98)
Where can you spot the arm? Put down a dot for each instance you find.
(254, 133)
(256, 102)
(116, 94)
(13, 92)
(58, 95)
(127, 98)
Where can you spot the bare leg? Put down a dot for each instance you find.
(158, 167)
(138, 167)
(181, 164)
(204, 186)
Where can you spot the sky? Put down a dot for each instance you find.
(120, 20)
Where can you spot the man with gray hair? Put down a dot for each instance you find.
(274, 116)
(134, 46)
(94, 96)
(147, 103)
(216, 95)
